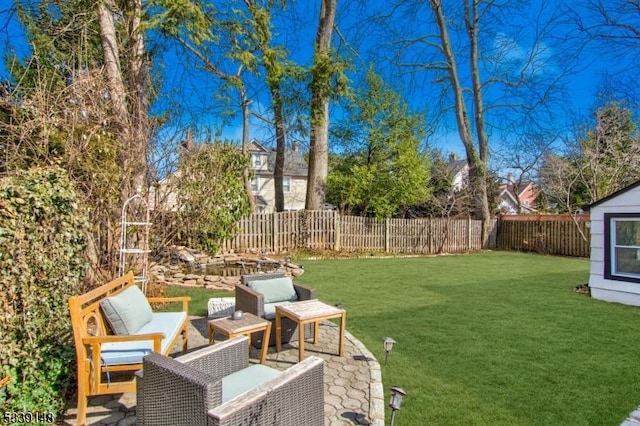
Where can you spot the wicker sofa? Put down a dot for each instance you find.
(250, 297)
(217, 386)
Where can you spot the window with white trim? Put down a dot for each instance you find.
(286, 183)
(255, 184)
(256, 160)
(622, 246)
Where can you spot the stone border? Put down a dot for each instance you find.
(633, 419)
(376, 390)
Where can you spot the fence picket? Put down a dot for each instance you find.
(328, 230)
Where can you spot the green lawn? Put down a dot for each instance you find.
(490, 338)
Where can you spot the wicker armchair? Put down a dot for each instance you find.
(249, 300)
(217, 386)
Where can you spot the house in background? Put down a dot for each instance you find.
(163, 197)
(459, 172)
(294, 184)
(509, 193)
(615, 247)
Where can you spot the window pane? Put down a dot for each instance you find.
(628, 261)
(627, 233)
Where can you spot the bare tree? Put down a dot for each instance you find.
(491, 76)
(520, 160)
(127, 89)
(612, 23)
(613, 28)
(599, 160)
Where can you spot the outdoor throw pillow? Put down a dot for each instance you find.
(275, 289)
(127, 312)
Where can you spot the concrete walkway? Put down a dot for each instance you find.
(352, 383)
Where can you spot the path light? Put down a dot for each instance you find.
(396, 399)
(388, 343)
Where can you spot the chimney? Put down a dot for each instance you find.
(188, 144)
(294, 146)
(453, 157)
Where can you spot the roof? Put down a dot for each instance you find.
(456, 166)
(613, 195)
(506, 194)
(516, 188)
(294, 162)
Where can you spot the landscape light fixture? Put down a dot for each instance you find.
(388, 343)
(396, 400)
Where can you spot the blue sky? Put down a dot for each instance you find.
(196, 93)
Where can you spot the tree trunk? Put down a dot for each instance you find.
(477, 159)
(130, 125)
(245, 144)
(274, 76)
(321, 90)
(128, 95)
(117, 96)
(278, 172)
(138, 92)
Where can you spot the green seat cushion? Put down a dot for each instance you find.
(275, 289)
(246, 379)
(169, 323)
(127, 312)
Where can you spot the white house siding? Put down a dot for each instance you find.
(601, 288)
(293, 200)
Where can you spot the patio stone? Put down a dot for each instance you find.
(353, 385)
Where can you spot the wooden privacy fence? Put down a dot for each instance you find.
(558, 234)
(327, 230)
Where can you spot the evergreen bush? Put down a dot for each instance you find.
(43, 236)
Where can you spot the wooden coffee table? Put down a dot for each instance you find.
(244, 326)
(308, 311)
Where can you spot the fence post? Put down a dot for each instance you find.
(336, 231)
(274, 231)
(469, 234)
(386, 235)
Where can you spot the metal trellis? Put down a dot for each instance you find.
(134, 240)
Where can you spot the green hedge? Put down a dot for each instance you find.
(42, 242)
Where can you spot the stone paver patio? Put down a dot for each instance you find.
(353, 383)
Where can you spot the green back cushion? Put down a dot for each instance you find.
(275, 289)
(127, 312)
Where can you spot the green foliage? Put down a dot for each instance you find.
(382, 169)
(602, 159)
(212, 194)
(182, 18)
(328, 79)
(447, 200)
(60, 41)
(42, 242)
(55, 112)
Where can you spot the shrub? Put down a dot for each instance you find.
(42, 241)
(212, 194)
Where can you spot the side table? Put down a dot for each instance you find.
(244, 326)
(308, 311)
